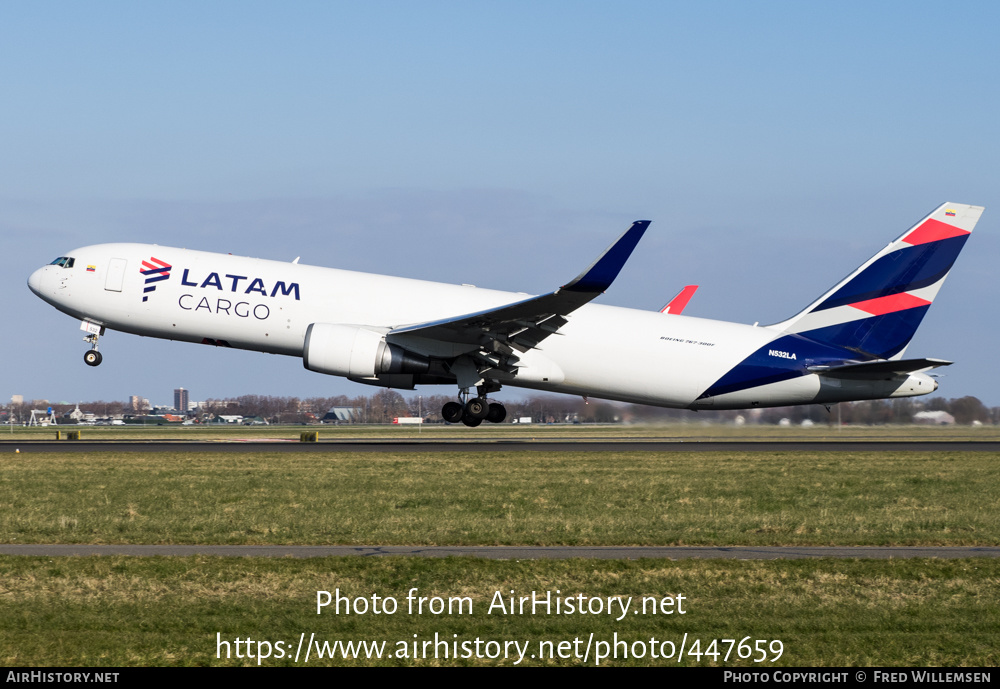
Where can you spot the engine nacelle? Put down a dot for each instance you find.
(356, 352)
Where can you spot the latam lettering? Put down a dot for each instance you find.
(232, 282)
(783, 355)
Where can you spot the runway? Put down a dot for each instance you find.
(513, 552)
(505, 445)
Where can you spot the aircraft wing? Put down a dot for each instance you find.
(878, 368)
(521, 325)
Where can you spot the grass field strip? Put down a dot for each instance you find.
(502, 498)
(121, 611)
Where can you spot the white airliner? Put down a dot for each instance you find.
(398, 333)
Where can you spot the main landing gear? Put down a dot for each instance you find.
(93, 357)
(472, 411)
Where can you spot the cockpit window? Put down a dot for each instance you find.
(64, 261)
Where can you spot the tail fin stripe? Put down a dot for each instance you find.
(890, 304)
(900, 271)
(933, 231)
(881, 337)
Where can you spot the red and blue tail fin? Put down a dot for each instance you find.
(875, 310)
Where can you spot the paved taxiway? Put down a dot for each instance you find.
(569, 445)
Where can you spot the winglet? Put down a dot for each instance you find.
(677, 304)
(602, 272)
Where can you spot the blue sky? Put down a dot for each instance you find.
(775, 146)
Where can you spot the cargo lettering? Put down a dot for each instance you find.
(243, 309)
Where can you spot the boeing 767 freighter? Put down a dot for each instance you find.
(399, 333)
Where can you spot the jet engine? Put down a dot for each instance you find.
(356, 352)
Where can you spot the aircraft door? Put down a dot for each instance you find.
(116, 275)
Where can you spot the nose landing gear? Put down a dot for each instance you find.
(93, 357)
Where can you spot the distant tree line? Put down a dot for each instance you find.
(385, 405)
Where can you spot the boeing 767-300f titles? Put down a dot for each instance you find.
(398, 333)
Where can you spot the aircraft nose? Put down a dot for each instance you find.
(36, 281)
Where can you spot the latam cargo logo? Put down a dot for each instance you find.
(155, 271)
(242, 286)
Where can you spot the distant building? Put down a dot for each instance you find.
(79, 416)
(341, 415)
(181, 400)
(17, 399)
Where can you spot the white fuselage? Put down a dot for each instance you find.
(608, 352)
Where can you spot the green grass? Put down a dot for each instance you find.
(698, 431)
(510, 498)
(112, 611)
(120, 611)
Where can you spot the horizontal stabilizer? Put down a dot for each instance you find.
(878, 368)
